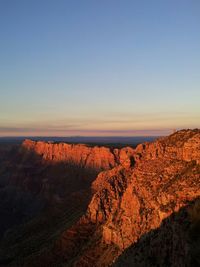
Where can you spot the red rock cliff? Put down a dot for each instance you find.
(94, 157)
(182, 145)
(148, 185)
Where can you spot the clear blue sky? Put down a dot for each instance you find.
(99, 67)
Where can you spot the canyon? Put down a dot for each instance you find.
(104, 206)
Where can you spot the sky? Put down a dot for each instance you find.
(99, 67)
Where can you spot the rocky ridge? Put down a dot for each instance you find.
(100, 158)
(132, 199)
(139, 202)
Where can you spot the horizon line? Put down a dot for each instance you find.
(78, 136)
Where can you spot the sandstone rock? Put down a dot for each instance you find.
(139, 199)
(94, 157)
(149, 184)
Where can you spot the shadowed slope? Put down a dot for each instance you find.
(59, 178)
(170, 245)
(146, 191)
(135, 198)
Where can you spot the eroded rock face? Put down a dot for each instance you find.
(94, 157)
(139, 199)
(182, 145)
(148, 185)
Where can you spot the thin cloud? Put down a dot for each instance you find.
(17, 131)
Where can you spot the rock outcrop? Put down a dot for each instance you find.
(138, 207)
(100, 158)
(149, 185)
(182, 145)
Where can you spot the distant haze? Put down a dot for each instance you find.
(90, 140)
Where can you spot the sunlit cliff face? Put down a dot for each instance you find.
(136, 197)
(97, 158)
(101, 200)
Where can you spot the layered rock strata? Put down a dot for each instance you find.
(149, 184)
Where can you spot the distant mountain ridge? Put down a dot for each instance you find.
(91, 140)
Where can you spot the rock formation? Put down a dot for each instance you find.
(133, 199)
(138, 207)
(100, 158)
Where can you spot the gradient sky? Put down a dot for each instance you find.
(99, 67)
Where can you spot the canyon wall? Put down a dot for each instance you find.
(139, 200)
(132, 199)
(80, 154)
(182, 145)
